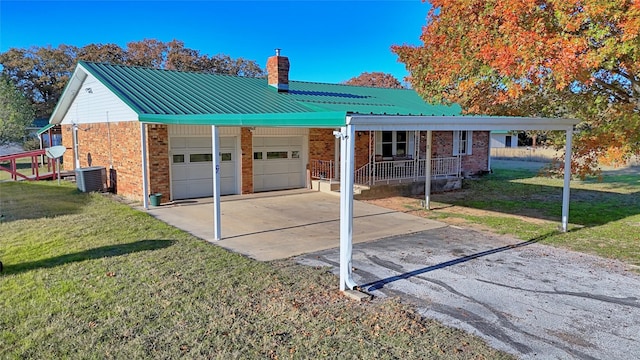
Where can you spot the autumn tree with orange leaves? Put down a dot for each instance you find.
(375, 79)
(553, 58)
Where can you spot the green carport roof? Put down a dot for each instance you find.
(176, 97)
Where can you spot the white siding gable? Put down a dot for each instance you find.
(95, 103)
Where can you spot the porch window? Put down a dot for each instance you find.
(393, 143)
(462, 142)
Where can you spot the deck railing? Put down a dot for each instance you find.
(9, 164)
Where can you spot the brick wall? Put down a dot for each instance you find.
(246, 141)
(442, 146)
(116, 146)
(476, 163)
(321, 144)
(158, 160)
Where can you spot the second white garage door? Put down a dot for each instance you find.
(278, 163)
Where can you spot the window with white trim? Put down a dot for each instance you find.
(392, 144)
(462, 142)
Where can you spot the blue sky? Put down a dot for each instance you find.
(326, 41)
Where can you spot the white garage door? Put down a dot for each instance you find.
(277, 163)
(192, 171)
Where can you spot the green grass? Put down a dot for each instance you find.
(604, 214)
(88, 277)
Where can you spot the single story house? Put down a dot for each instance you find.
(184, 133)
(100, 112)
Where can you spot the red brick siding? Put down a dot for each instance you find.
(122, 154)
(67, 141)
(321, 144)
(478, 160)
(442, 146)
(158, 159)
(246, 141)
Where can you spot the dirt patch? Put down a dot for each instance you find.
(438, 211)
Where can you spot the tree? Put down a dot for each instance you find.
(16, 112)
(375, 79)
(43, 72)
(574, 58)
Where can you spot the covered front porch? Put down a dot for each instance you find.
(387, 172)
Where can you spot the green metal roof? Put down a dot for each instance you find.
(176, 97)
(45, 128)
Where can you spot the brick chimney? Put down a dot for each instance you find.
(278, 72)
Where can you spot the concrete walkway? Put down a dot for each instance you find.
(278, 225)
(532, 300)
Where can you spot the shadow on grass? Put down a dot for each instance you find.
(379, 284)
(503, 192)
(39, 199)
(91, 254)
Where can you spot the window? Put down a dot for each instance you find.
(295, 154)
(393, 143)
(277, 155)
(200, 158)
(462, 142)
(225, 157)
(257, 155)
(178, 159)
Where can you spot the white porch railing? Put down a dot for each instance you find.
(406, 170)
(323, 170)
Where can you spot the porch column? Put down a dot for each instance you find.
(567, 180)
(215, 148)
(336, 157)
(145, 170)
(427, 173)
(347, 137)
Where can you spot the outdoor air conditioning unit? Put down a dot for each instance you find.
(92, 178)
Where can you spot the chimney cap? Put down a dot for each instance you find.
(277, 52)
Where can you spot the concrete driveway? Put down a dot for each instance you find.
(532, 300)
(282, 224)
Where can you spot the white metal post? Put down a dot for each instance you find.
(567, 180)
(427, 173)
(215, 148)
(145, 170)
(346, 135)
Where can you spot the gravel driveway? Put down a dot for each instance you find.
(532, 300)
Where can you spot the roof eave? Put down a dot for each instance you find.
(69, 94)
(302, 120)
(474, 123)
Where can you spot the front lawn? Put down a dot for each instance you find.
(88, 277)
(604, 214)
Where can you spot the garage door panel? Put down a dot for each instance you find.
(178, 143)
(194, 176)
(201, 171)
(198, 142)
(280, 165)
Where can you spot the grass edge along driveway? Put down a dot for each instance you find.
(86, 276)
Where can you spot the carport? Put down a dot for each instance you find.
(346, 125)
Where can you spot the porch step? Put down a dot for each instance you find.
(333, 187)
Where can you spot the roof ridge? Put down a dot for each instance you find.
(348, 85)
(202, 72)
